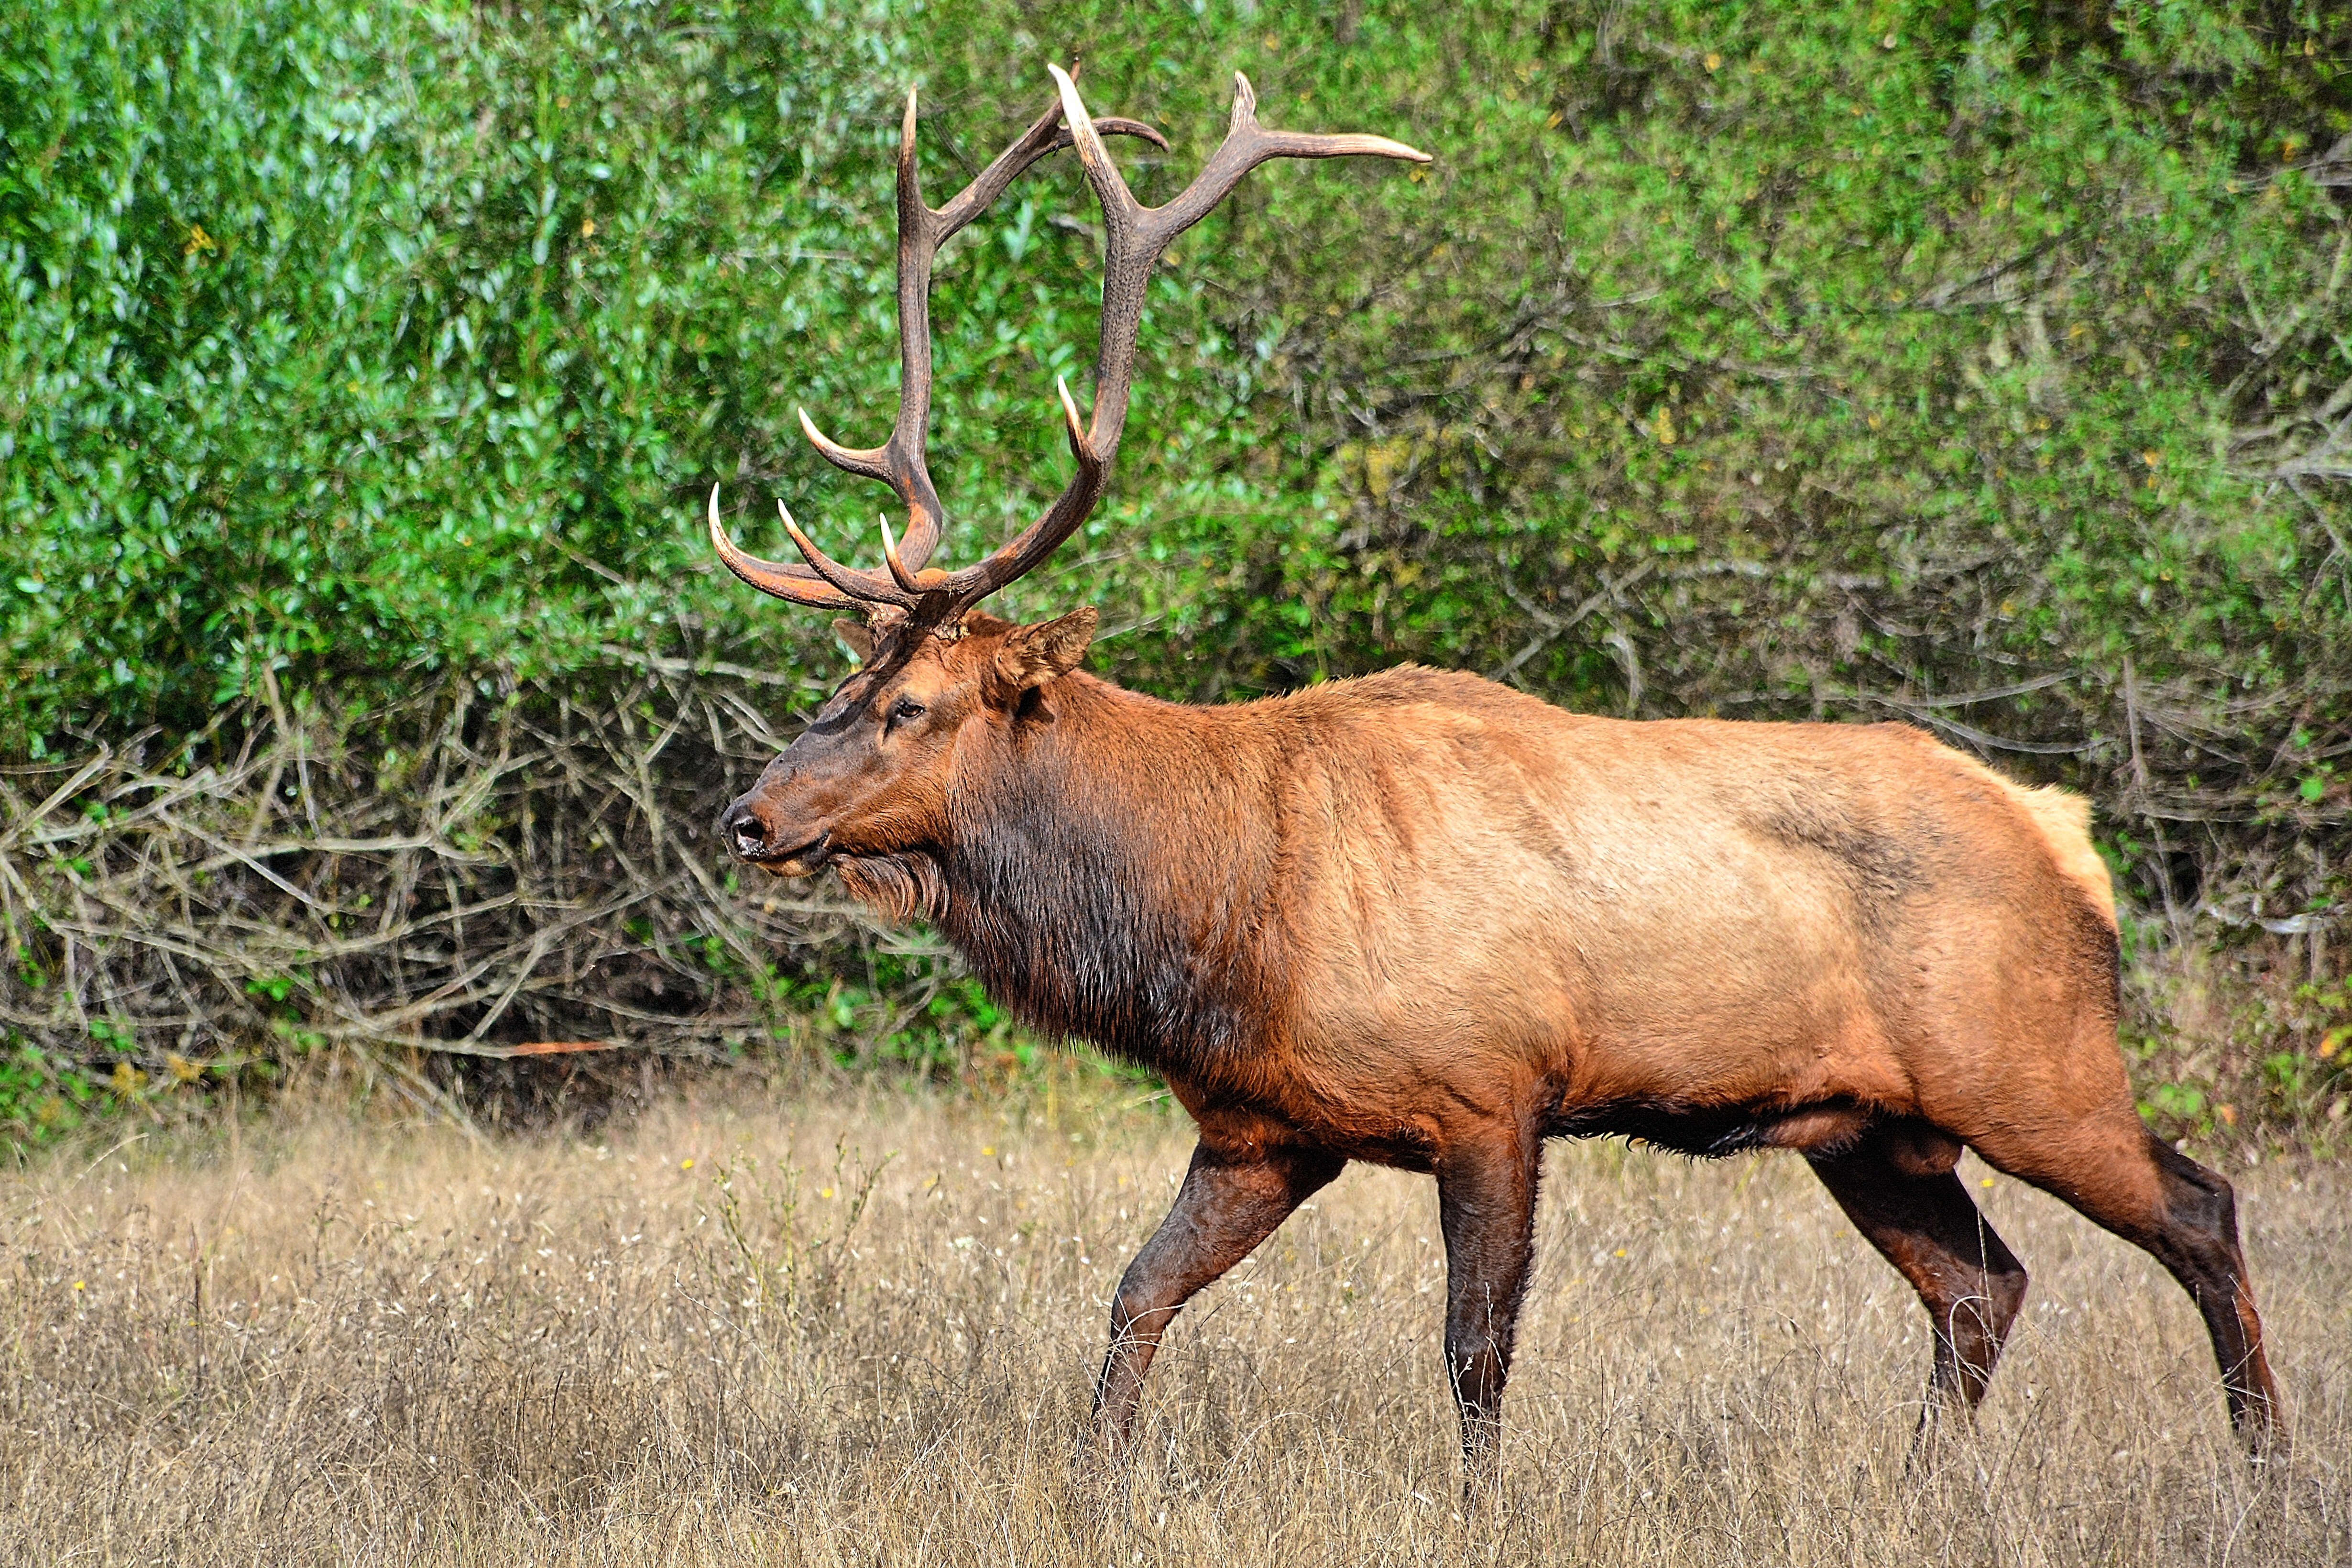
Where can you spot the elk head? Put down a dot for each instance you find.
(867, 785)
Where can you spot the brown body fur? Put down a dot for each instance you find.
(1424, 898)
(1424, 921)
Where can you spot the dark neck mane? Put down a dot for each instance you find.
(1110, 876)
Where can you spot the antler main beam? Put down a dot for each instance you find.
(1134, 237)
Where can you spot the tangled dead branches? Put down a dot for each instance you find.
(493, 870)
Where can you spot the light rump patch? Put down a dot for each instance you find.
(2063, 820)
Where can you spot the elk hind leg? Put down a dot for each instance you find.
(2115, 1171)
(1898, 1186)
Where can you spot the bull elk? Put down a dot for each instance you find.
(1421, 920)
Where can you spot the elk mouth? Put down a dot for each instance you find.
(806, 860)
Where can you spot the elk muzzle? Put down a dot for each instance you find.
(751, 828)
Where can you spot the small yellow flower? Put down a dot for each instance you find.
(827, 1193)
(988, 1150)
(199, 242)
(685, 1164)
(76, 1284)
(1714, 61)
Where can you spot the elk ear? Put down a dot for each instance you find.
(1031, 656)
(856, 636)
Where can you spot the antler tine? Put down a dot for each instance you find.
(1246, 145)
(1133, 238)
(793, 583)
(898, 571)
(863, 586)
(867, 462)
(969, 587)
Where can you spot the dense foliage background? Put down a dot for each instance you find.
(363, 366)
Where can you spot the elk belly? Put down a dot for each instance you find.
(1816, 1129)
(1911, 1146)
(1916, 1148)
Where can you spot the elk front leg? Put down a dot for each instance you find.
(1486, 1208)
(1232, 1199)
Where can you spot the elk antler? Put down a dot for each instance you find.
(1134, 237)
(899, 462)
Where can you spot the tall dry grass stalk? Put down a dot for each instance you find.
(861, 1332)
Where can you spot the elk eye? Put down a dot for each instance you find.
(904, 711)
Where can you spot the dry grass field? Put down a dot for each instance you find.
(754, 1331)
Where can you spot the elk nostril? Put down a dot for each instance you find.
(745, 831)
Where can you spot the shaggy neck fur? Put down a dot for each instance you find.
(1111, 873)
